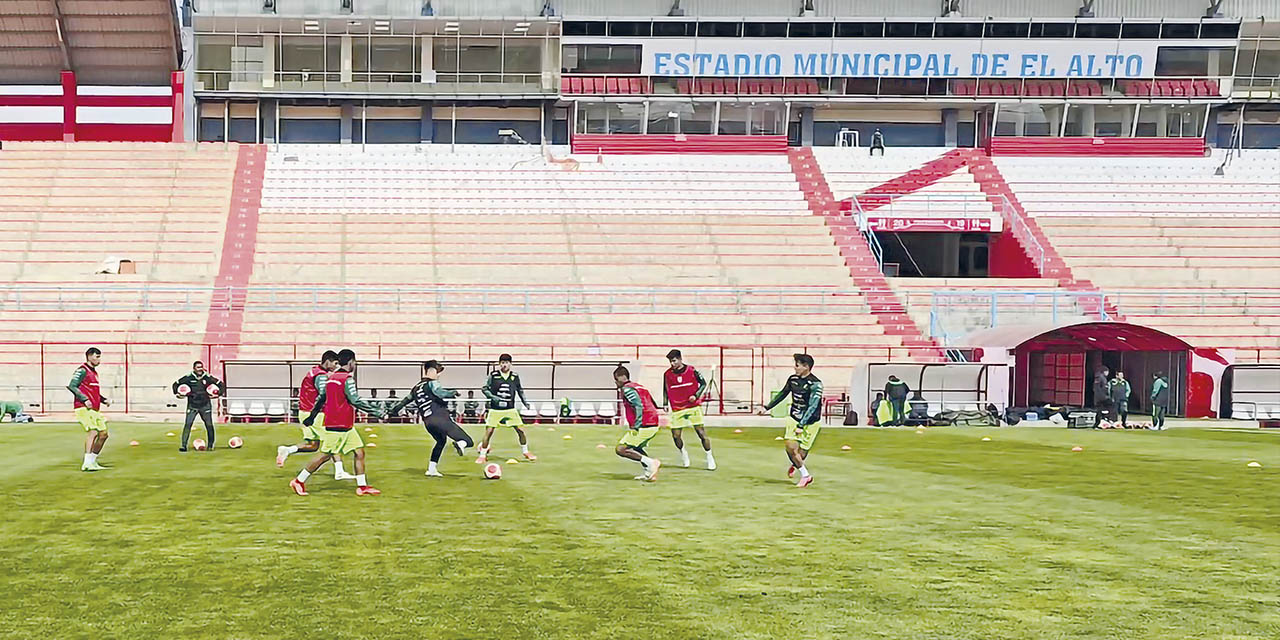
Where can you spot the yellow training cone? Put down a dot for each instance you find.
(568, 436)
(512, 461)
(986, 439)
(845, 448)
(1077, 448)
(737, 430)
(1254, 465)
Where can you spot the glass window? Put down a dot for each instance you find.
(720, 29)
(1267, 63)
(1179, 30)
(584, 29)
(522, 55)
(908, 30)
(1052, 29)
(765, 29)
(1194, 61)
(1140, 30)
(958, 30)
(610, 117)
(752, 118)
(1091, 29)
(860, 30)
(630, 29)
(213, 53)
(444, 54)
(811, 29)
(1219, 30)
(302, 58)
(480, 55)
(674, 29)
(600, 58)
(1007, 29)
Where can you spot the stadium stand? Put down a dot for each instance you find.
(1174, 245)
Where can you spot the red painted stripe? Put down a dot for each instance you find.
(31, 131)
(30, 101)
(623, 143)
(240, 241)
(124, 101)
(124, 132)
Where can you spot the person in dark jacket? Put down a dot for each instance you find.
(1159, 400)
(877, 142)
(199, 402)
(873, 415)
(1120, 391)
(896, 391)
(1101, 396)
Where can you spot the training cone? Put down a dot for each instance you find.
(171, 434)
(846, 448)
(986, 439)
(1077, 448)
(602, 446)
(1254, 465)
(134, 443)
(372, 444)
(568, 437)
(373, 435)
(512, 461)
(551, 428)
(737, 430)
(368, 429)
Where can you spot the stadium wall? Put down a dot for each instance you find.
(72, 112)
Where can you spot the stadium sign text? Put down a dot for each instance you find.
(898, 58)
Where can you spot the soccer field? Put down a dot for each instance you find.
(907, 536)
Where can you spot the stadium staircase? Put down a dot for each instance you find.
(239, 244)
(888, 310)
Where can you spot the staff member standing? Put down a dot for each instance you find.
(198, 400)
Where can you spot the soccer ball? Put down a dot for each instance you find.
(199, 445)
(492, 471)
(212, 390)
(235, 442)
(183, 390)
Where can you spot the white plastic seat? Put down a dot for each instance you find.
(549, 410)
(237, 407)
(586, 410)
(530, 411)
(277, 408)
(608, 410)
(257, 408)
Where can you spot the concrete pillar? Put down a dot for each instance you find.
(1019, 123)
(806, 126)
(268, 61)
(548, 121)
(951, 127)
(344, 73)
(1211, 127)
(426, 130)
(1162, 120)
(550, 64)
(1126, 120)
(267, 113)
(1088, 120)
(344, 126)
(427, 61)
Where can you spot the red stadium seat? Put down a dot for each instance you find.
(811, 87)
(684, 85)
(1211, 88)
(599, 82)
(575, 85)
(611, 85)
(564, 85)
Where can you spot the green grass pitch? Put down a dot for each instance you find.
(907, 536)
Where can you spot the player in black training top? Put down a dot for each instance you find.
(804, 421)
(428, 401)
(502, 388)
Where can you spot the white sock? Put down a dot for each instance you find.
(431, 467)
(303, 475)
(646, 461)
(291, 449)
(462, 446)
(524, 448)
(361, 481)
(93, 458)
(709, 457)
(88, 459)
(337, 468)
(804, 473)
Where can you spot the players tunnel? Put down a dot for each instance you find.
(1056, 364)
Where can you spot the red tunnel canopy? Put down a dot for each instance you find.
(1104, 336)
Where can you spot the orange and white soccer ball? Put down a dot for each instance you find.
(492, 471)
(213, 390)
(183, 390)
(199, 445)
(235, 442)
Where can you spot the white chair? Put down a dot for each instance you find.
(277, 409)
(608, 410)
(530, 411)
(236, 408)
(1242, 411)
(586, 410)
(549, 410)
(257, 408)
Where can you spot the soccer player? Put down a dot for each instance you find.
(428, 399)
(339, 400)
(308, 392)
(502, 388)
(806, 409)
(682, 391)
(13, 411)
(641, 415)
(198, 401)
(88, 404)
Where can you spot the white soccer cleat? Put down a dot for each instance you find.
(684, 459)
(96, 467)
(433, 474)
(652, 476)
(711, 463)
(282, 454)
(344, 476)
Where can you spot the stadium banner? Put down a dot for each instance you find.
(905, 58)
(991, 224)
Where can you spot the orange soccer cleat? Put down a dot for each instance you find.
(367, 490)
(298, 487)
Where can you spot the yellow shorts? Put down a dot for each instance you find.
(341, 442)
(315, 432)
(691, 417)
(503, 418)
(638, 438)
(804, 434)
(91, 420)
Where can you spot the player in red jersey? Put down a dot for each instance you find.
(308, 393)
(88, 404)
(641, 416)
(683, 389)
(339, 400)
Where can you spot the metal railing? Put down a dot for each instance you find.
(763, 300)
(1021, 230)
(864, 225)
